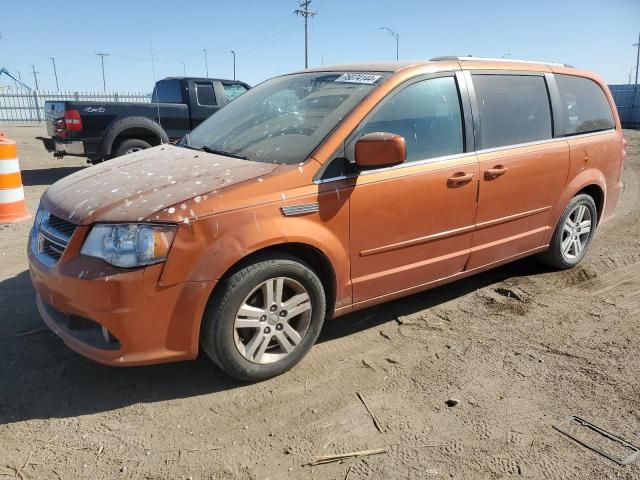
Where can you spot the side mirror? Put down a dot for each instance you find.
(380, 149)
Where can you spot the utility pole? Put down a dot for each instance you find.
(184, 69)
(304, 11)
(635, 86)
(104, 81)
(396, 37)
(206, 62)
(55, 72)
(234, 63)
(637, 57)
(35, 76)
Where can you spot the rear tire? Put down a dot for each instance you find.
(264, 318)
(573, 234)
(130, 146)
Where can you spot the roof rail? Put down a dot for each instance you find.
(454, 58)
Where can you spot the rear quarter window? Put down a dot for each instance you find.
(514, 109)
(167, 91)
(585, 107)
(205, 94)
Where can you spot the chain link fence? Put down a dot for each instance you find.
(22, 106)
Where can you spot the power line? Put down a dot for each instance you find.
(263, 36)
(104, 81)
(304, 12)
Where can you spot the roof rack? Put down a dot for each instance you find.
(454, 58)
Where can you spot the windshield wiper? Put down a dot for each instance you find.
(208, 149)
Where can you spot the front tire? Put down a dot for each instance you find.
(264, 318)
(573, 234)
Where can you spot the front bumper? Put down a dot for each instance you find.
(60, 148)
(147, 324)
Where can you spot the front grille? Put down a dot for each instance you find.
(51, 249)
(51, 236)
(62, 226)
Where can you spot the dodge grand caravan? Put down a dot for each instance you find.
(320, 193)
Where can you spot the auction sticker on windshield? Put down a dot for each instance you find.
(365, 78)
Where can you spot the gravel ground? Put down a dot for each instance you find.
(520, 347)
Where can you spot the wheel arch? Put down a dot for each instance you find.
(314, 257)
(595, 192)
(132, 127)
(309, 254)
(591, 182)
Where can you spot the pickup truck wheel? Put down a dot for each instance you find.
(264, 318)
(130, 146)
(573, 234)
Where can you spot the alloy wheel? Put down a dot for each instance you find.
(576, 232)
(272, 320)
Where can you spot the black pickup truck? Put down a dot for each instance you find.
(103, 130)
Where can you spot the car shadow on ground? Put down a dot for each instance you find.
(42, 378)
(46, 176)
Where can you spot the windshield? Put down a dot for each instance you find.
(284, 119)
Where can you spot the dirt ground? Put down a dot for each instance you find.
(521, 347)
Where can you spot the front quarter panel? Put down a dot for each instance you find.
(209, 247)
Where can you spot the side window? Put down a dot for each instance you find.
(513, 109)
(204, 94)
(233, 90)
(585, 106)
(427, 114)
(167, 91)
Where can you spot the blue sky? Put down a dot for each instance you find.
(268, 38)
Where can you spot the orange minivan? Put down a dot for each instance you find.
(320, 193)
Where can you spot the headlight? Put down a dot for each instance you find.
(129, 245)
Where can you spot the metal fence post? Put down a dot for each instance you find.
(35, 99)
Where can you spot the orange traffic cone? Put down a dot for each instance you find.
(13, 207)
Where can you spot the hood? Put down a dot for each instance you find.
(133, 187)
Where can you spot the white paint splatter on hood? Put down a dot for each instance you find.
(138, 185)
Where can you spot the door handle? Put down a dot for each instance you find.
(495, 172)
(459, 179)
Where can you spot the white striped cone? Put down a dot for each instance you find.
(13, 207)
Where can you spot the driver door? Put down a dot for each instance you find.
(412, 224)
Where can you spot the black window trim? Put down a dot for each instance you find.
(468, 140)
(553, 97)
(471, 123)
